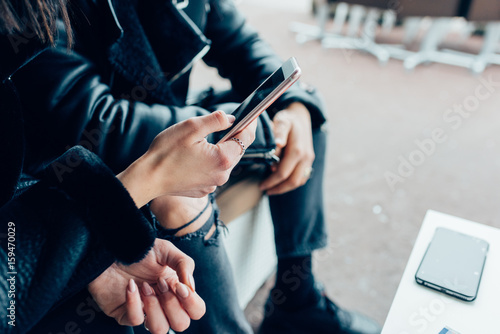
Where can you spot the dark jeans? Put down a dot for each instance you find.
(298, 216)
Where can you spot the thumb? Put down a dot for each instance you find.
(216, 121)
(169, 255)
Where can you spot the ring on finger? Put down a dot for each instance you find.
(144, 324)
(308, 172)
(243, 147)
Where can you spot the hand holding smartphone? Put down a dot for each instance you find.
(268, 92)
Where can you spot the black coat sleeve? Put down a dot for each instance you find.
(61, 233)
(67, 102)
(242, 56)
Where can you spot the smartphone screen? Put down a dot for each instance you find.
(270, 90)
(453, 264)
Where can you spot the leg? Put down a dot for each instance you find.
(298, 216)
(198, 238)
(297, 303)
(299, 225)
(182, 215)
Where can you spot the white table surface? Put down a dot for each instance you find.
(418, 309)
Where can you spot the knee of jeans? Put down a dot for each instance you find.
(213, 240)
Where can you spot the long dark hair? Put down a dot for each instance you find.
(36, 16)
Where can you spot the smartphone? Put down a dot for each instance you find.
(268, 92)
(453, 264)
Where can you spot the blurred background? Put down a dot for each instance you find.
(414, 124)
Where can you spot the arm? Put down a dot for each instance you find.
(294, 115)
(79, 218)
(67, 101)
(62, 242)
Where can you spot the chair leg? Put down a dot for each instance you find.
(307, 32)
(356, 17)
(340, 18)
(430, 44)
(488, 53)
(368, 37)
(411, 29)
(388, 21)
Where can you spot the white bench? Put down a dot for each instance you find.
(250, 241)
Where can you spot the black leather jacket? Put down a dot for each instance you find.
(127, 78)
(60, 229)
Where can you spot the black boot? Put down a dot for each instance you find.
(322, 317)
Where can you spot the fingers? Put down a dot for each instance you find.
(180, 304)
(285, 168)
(296, 179)
(205, 125)
(292, 172)
(177, 317)
(229, 153)
(155, 322)
(169, 255)
(190, 301)
(293, 136)
(232, 149)
(282, 127)
(134, 315)
(247, 135)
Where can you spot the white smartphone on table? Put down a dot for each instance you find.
(268, 92)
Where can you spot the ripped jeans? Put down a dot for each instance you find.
(299, 225)
(213, 275)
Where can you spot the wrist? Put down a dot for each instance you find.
(297, 108)
(138, 180)
(296, 111)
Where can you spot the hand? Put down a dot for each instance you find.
(293, 135)
(180, 161)
(167, 284)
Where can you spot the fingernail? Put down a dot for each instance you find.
(147, 290)
(132, 287)
(162, 285)
(191, 282)
(231, 119)
(278, 141)
(181, 290)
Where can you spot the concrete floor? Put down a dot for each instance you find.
(380, 116)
